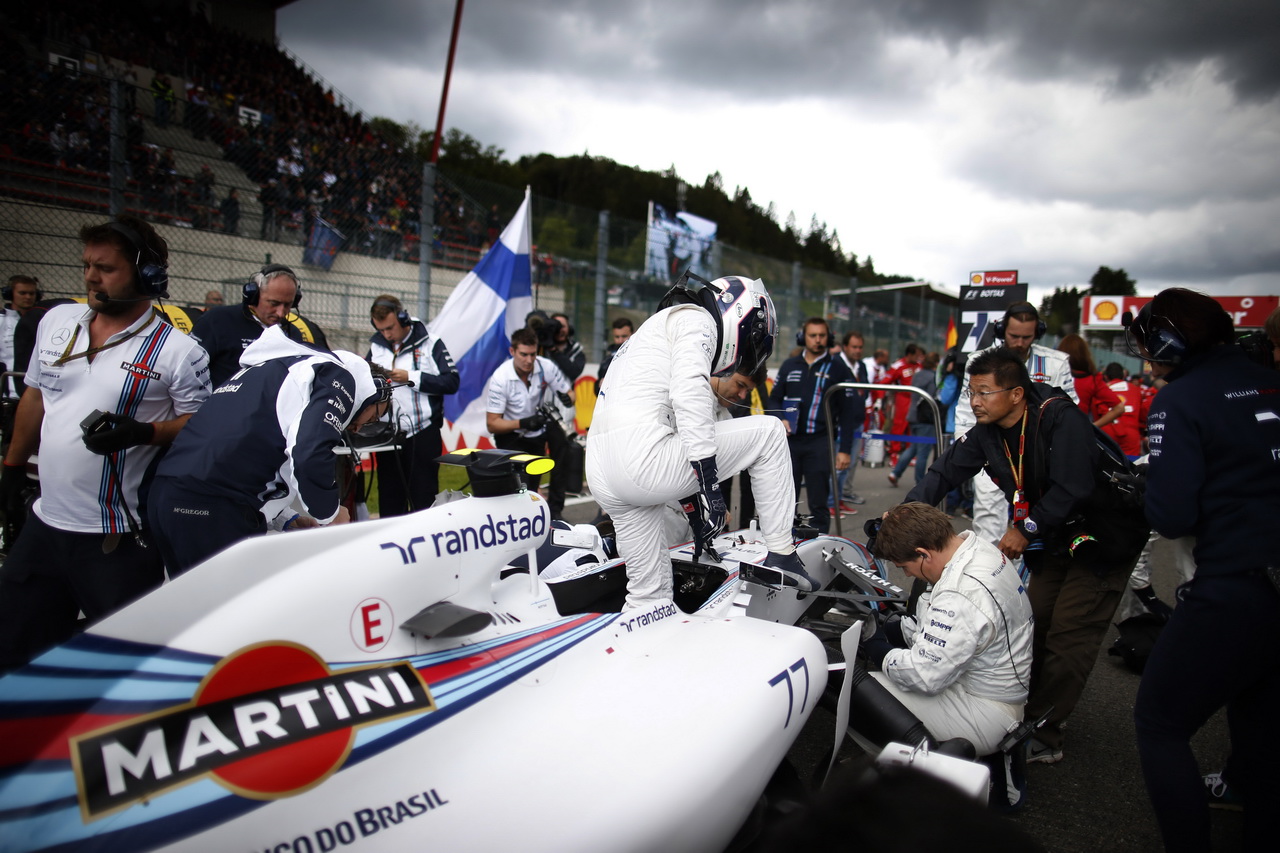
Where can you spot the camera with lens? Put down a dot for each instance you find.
(545, 327)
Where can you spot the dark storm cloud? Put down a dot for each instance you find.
(758, 47)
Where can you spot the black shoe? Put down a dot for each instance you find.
(785, 570)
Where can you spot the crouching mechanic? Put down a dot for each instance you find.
(654, 437)
(260, 450)
(962, 664)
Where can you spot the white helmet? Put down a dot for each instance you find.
(748, 320)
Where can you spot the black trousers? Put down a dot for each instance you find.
(811, 460)
(409, 478)
(190, 528)
(553, 444)
(51, 575)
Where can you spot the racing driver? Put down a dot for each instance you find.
(654, 437)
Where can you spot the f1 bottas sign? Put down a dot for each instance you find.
(269, 721)
(984, 300)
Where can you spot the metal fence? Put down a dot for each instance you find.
(233, 182)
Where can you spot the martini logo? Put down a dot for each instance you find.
(139, 370)
(269, 721)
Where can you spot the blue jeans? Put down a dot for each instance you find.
(844, 476)
(920, 452)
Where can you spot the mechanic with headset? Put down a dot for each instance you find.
(259, 453)
(654, 436)
(1018, 330)
(1215, 475)
(962, 664)
(1043, 453)
(803, 381)
(266, 300)
(112, 384)
(420, 364)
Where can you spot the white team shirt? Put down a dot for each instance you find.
(510, 398)
(156, 374)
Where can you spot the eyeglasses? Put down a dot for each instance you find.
(969, 392)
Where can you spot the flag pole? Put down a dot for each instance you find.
(448, 75)
(528, 214)
(426, 216)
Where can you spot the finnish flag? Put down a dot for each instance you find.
(476, 322)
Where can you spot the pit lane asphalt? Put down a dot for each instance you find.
(1093, 800)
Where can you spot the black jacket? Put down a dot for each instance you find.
(1215, 460)
(571, 360)
(224, 332)
(1067, 500)
(805, 386)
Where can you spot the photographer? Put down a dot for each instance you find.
(556, 342)
(519, 414)
(84, 547)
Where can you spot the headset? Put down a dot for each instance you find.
(1000, 325)
(153, 279)
(6, 292)
(251, 292)
(1163, 343)
(402, 315)
(807, 324)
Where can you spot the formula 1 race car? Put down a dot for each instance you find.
(396, 684)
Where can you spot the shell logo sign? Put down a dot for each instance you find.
(1001, 278)
(1106, 310)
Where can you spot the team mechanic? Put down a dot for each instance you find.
(1041, 451)
(962, 663)
(654, 437)
(420, 365)
(83, 548)
(261, 449)
(1018, 330)
(224, 331)
(517, 391)
(1215, 475)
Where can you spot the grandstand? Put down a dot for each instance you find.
(162, 112)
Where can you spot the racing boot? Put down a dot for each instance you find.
(785, 570)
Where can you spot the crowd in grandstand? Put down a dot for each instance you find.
(288, 134)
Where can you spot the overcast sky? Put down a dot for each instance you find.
(937, 136)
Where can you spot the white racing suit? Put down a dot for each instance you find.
(967, 670)
(654, 417)
(990, 506)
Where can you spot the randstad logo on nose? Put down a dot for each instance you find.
(490, 533)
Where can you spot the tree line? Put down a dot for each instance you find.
(599, 183)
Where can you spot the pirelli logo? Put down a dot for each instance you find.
(269, 721)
